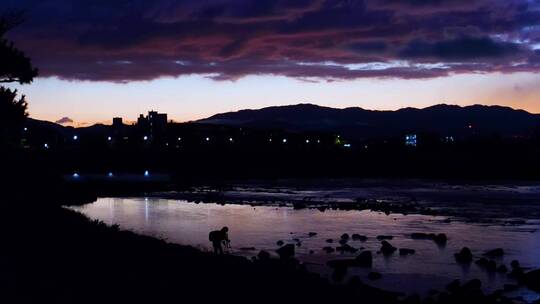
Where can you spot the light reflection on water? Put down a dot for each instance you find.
(260, 227)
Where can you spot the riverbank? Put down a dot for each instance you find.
(56, 255)
(59, 256)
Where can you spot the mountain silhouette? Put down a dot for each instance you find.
(358, 123)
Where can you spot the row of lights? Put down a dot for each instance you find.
(207, 139)
(110, 174)
(145, 138)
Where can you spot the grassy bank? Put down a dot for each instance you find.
(55, 255)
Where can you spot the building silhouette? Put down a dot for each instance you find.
(117, 122)
(153, 126)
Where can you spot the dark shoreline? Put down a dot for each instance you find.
(56, 245)
(60, 254)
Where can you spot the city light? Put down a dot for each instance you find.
(109, 138)
(46, 145)
(230, 139)
(110, 174)
(284, 140)
(208, 139)
(347, 145)
(307, 141)
(410, 140)
(25, 129)
(145, 137)
(75, 175)
(179, 138)
(75, 137)
(146, 173)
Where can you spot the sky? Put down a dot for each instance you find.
(192, 59)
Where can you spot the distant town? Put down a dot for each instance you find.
(155, 130)
(155, 144)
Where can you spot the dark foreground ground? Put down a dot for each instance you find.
(58, 256)
(49, 254)
(54, 255)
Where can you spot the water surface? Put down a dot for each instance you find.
(261, 227)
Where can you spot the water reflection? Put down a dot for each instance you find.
(261, 227)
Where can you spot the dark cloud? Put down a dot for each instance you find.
(64, 121)
(463, 48)
(126, 40)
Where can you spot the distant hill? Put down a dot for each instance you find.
(358, 123)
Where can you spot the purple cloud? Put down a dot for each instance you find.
(64, 121)
(129, 40)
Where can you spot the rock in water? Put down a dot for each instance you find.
(386, 248)
(532, 280)
(494, 253)
(345, 236)
(421, 236)
(440, 239)
(329, 249)
(374, 276)
(346, 248)
(312, 234)
(406, 251)
(358, 237)
(286, 251)
(472, 284)
(280, 243)
(247, 248)
(515, 264)
(464, 256)
(364, 259)
(384, 237)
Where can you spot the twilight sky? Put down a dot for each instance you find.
(192, 59)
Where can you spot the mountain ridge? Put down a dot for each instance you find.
(358, 123)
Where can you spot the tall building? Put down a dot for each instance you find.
(157, 120)
(153, 125)
(117, 122)
(142, 122)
